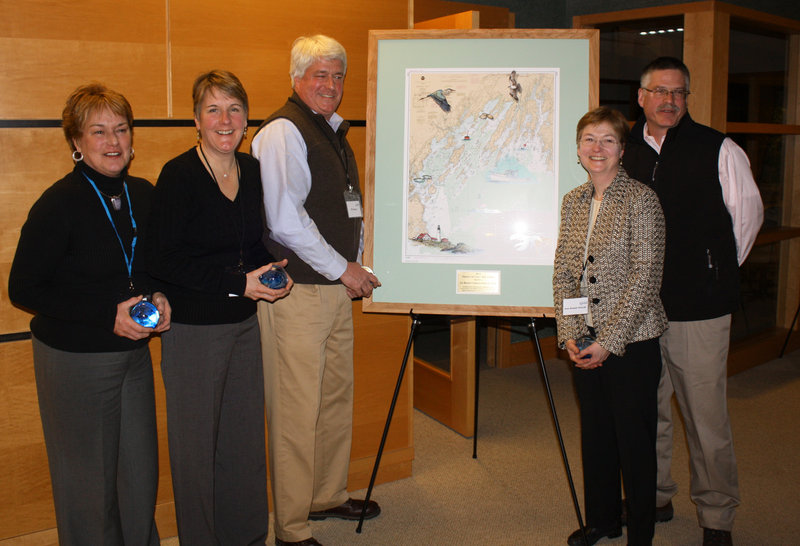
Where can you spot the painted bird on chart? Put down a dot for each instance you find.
(514, 88)
(440, 97)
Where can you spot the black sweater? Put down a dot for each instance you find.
(197, 236)
(69, 268)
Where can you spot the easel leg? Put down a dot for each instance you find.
(415, 322)
(789, 333)
(477, 390)
(535, 339)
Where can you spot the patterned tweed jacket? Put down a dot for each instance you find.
(623, 267)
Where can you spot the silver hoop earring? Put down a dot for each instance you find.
(244, 133)
(77, 156)
(132, 152)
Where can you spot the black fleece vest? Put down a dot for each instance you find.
(332, 163)
(701, 270)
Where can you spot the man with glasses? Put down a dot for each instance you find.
(713, 212)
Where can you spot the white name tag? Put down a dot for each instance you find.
(576, 306)
(353, 202)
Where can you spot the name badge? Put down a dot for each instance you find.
(576, 306)
(353, 202)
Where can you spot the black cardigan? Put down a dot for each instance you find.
(69, 268)
(196, 236)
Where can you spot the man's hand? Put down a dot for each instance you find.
(358, 281)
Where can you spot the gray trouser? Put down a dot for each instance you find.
(215, 421)
(98, 417)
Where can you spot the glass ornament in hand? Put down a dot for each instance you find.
(145, 313)
(274, 278)
(584, 342)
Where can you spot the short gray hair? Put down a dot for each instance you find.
(664, 63)
(306, 50)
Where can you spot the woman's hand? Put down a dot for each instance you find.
(257, 291)
(125, 326)
(164, 312)
(590, 358)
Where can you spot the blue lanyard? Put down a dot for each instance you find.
(128, 261)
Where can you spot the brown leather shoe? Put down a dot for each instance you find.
(716, 537)
(348, 510)
(307, 542)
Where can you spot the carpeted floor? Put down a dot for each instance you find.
(516, 491)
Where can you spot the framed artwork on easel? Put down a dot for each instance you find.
(470, 149)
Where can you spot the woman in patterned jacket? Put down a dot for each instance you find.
(606, 282)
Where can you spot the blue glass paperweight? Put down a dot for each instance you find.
(275, 278)
(584, 342)
(145, 313)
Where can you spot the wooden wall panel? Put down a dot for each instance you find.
(46, 71)
(490, 16)
(258, 51)
(156, 145)
(30, 161)
(377, 364)
(50, 48)
(86, 20)
(26, 502)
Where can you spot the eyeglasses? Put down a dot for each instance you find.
(662, 93)
(605, 142)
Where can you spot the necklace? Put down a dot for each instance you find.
(240, 266)
(211, 170)
(116, 200)
(128, 259)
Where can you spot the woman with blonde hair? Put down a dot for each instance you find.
(206, 247)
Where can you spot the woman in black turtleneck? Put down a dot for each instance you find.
(78, 270)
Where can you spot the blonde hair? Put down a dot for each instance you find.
(86, 100)
(223, 80)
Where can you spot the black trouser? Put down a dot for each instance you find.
(619, 414)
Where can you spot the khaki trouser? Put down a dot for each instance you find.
(307, 343)
(694, 356)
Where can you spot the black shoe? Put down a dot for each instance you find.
(593, 535)
(351, 509)
(716, 537)
(663, 513)
(307, 542)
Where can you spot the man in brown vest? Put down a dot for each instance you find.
(314, 219)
